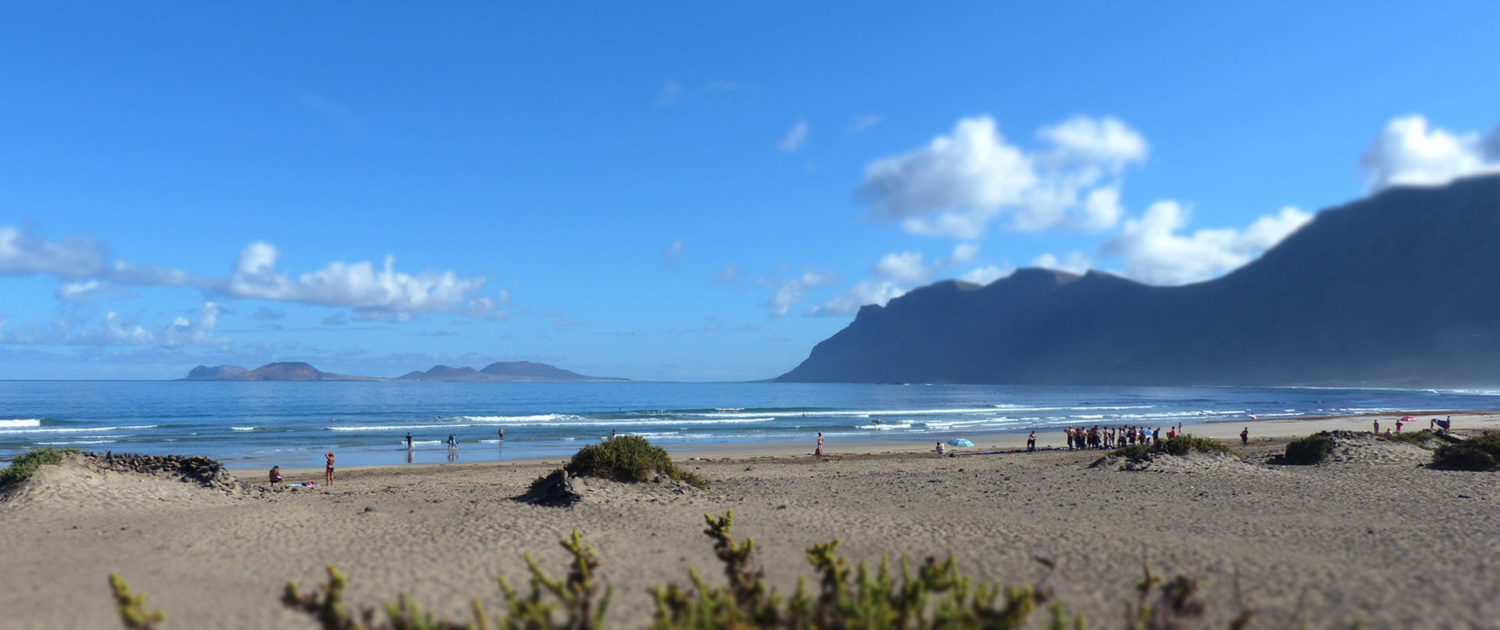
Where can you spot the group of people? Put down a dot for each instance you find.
(1080, 438)
(278, 479)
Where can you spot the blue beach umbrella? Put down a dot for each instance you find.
(960, 442)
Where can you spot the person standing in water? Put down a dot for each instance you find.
(328, 472)
(408, 441)
(502, 433)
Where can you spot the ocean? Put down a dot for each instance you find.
(248, 424)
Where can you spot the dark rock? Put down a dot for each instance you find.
(555, 490)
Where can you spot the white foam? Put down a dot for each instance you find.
(242, 428)
(77, 442)
(885, 426)
(79, 429)
(20, 422)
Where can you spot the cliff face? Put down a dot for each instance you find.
(1401, 289)
(215, 373)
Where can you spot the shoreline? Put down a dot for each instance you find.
(1227, 431)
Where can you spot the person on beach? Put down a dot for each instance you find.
(1377, 426)
(408, 441)
(1245, 436)
(276, 478)
(612, 434)
(819, 451)
(328, 472)
(1398, 427)
(1031, 442)
(941, 450)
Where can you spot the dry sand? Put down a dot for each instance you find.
(1369, 535)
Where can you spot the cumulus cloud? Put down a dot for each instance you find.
(905, 267)
(1076, 262)
(1410, 151)
(868, 292)
(962, 253)
(960, 182)
(1155, 252)
(22, 252)
(358, 285)
(795, 138)
(789, 292)
(986, 274)
(117, 329)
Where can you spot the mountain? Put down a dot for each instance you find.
(283, 371)
(511, 371)
(215, 373)
(1400, 289)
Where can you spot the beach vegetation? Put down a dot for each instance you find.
(1180, 445)
(24, 466)
(1480, 452)
(1424, 438)
(1309, 450)
(132, 606)
(629, 458)
(934, 595)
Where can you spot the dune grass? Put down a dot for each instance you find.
(1481, 452)
(24, 466)
(1309, 450)
(1180, 445)
(628, 458)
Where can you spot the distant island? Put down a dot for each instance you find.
(504, 371)
(1401, 289)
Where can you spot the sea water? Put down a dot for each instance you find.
(247, 424)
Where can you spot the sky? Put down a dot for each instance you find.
(662, 190)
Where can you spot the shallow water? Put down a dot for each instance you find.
(253, 424)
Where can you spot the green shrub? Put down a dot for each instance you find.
(628, 458)
(1421, 438)
(1180, 445)
(21, 468)
(1309, 450)
(1481, 452)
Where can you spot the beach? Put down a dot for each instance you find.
(1369, 536)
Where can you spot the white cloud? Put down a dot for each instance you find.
(960, 182)
(863, 123)
(795, 138)
(905, 267)
(791, 291)
(1154, 252)
(962, 253)
(1101, 209)
(25, 253)
(183, 332)
(1106, 141)
(986, 274)
(121, 330)
(868, 292)
(1076, 262)
(83, 291)
(1411, 152)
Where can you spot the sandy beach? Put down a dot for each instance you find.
(1370, 535)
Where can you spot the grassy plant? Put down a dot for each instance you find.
(628, 458)
(1309, 450)
(1180, 445)
(22, 467)
(1481, 452)
(132, 607)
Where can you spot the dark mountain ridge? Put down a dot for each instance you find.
(1400, 289)
(512, 371)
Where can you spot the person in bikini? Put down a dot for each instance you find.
(328, 472)
(276, 477)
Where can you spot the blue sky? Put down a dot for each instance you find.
(679, 191)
